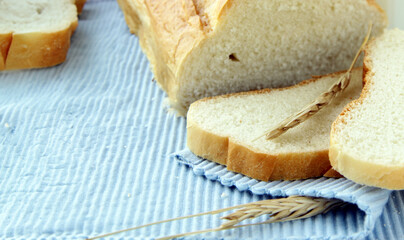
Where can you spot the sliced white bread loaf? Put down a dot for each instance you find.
(367, 139)
(206, 48)
(223, 129)
(35, 34)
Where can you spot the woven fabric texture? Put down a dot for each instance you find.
(85, 149)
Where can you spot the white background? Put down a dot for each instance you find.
(395, 12)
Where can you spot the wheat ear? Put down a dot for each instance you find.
(323, 100)
(283, 209)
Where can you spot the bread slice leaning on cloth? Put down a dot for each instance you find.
(36, 34)
(206, 48)
(223, 129)
(80, 5)
(367, 139)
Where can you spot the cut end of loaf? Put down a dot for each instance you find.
(274, 44)
(367, 139)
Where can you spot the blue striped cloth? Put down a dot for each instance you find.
(369, 200)
(85, 150)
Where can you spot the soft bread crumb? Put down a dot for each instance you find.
(201, 48)
(275, 44)
(245, 116)
(374, 127)
(25, 16)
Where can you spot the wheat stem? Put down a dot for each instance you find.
(166, 221)
(283, 209)
(191, 233)
(305, 208)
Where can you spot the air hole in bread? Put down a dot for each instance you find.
(233, 57)
(39, 10)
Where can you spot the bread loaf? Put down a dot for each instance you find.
(223, 129)
(367, 139)
(200, 48)
(36, 34)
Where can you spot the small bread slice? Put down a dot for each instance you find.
(222, 129)
(36, 34)
(367, 139)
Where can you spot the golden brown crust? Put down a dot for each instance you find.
(261, 166)
(332, 173)
(266, 167)
(207, 145)
(5, 42)
(373, 174)
(247, 161)
(80, 5)
(38, 50)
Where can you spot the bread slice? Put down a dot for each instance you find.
(223, 129)
(205, 48)
(80, 5)
(36, 34)
(367, 139)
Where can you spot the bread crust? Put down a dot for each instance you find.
(332, 173)
(261, 166)
(266, 167)
(165, 38)
(36, 49)
(368, 173)
(80, 5)
(250, 162)
(207, 145)
(5, 42)
(373, 174)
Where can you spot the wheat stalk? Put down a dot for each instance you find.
(284, 209)
(323, 100)
(279, 210)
